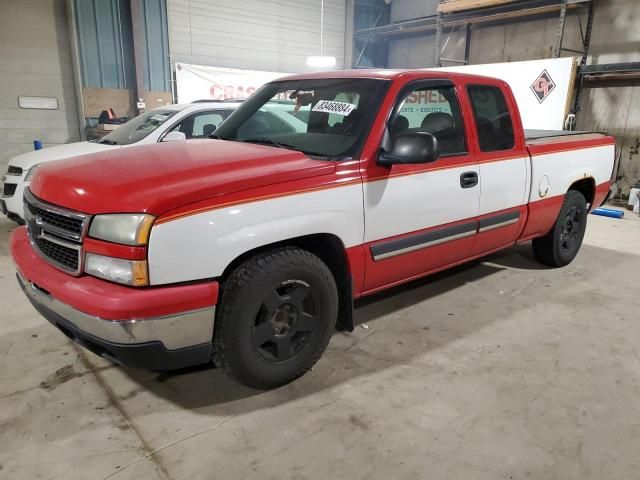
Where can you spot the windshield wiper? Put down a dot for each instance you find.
(267, 141)
(106, 141)
(272, 143)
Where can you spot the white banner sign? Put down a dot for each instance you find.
(197, 82)
(543, 88)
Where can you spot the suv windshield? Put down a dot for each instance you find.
(137, 128)
(326, 118)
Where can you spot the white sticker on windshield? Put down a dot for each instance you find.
(330, 106)
(158, 117)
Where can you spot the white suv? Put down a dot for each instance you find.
(163, 124)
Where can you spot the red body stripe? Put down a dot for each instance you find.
(105, 299)
(114, 250)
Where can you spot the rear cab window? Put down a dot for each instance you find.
(492, 117)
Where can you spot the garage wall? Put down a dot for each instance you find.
(272, 35)
(34, 60)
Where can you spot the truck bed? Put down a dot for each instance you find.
(541, 134)
(541, 141)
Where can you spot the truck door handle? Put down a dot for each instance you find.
(468, 179)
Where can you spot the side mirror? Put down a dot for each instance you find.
(411, 148)
(174, 137)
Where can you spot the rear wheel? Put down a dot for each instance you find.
(277, 313)
(561, 245)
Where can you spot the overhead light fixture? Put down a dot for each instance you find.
(321, 61)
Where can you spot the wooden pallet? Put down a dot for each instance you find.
(448, 6)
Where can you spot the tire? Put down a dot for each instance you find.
(561, 245)
(277, 313)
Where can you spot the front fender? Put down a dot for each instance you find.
(202, 245)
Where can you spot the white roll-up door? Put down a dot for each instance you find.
(271, 35)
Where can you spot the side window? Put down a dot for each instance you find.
(434, 110)
(205, 123)
(493, 120)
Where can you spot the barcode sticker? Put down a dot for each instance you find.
(330, 106)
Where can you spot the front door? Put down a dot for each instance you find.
(419, 218)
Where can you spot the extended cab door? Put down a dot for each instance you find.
(504, 165)
(419, 218)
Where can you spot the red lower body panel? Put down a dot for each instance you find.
(542, 216)
(104, 299)
(602, 191)
(405, 264)
(502, 236)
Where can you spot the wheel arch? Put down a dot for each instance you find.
(331, 250)
(587, 187)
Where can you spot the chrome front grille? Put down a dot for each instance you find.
(56, 233)
(14, 170)
(9, 190)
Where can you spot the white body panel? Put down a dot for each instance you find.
(564, 168)
(414, 202)
(203, 245)
(503, 184)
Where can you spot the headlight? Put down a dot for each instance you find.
(128, 272)
(30, 172)
(125, 228)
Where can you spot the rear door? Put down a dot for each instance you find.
(504, 166)
(419, 218)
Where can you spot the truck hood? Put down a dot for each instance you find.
(59, 152)
(161, 177)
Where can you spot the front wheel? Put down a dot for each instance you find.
(277, 313)
(561, 245)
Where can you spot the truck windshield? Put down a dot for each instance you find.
(327, 118)
(138, 128)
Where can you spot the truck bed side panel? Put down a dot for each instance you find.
(557, 163)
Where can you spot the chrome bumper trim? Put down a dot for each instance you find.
(181, 330)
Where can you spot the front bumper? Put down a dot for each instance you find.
(161, 328)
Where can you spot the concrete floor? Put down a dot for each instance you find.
(499, 369)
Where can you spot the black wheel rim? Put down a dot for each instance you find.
(570, 235)
(286, 321)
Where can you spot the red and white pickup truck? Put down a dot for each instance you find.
(249, 248)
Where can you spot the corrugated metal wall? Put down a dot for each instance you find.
(106, 48)
(106, 44)
(156, 61)
(35, 61)
(273, 35)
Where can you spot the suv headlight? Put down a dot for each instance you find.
(124, 228)
(30, 172)
(128, 272)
